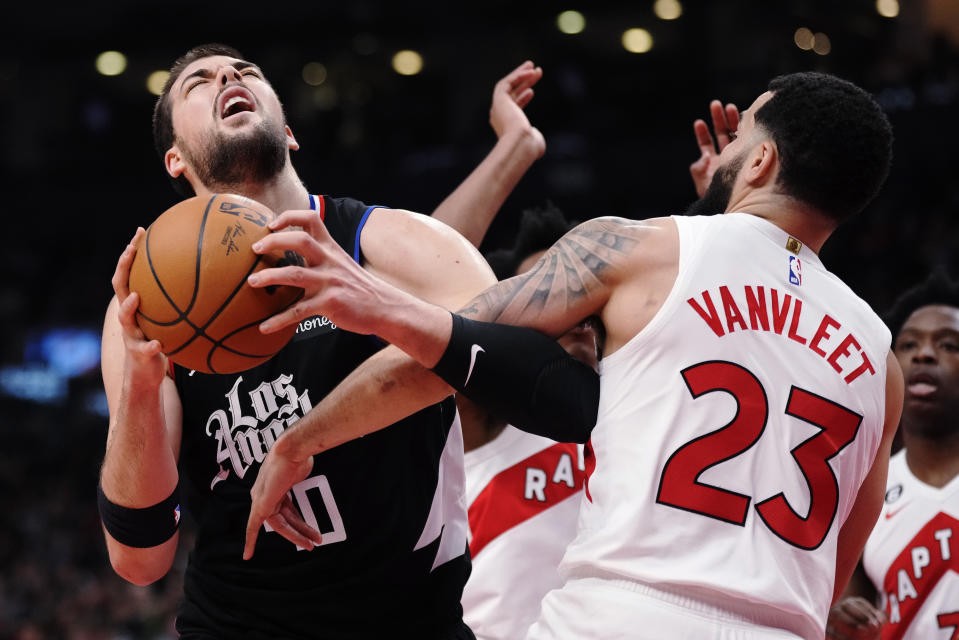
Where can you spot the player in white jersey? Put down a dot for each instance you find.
(522, 494)
(911, 559)
(522, 490)
(746, 405)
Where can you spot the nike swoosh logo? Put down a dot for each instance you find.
(890, 514)
(473, 351)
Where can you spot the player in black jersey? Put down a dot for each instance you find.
(391, 561)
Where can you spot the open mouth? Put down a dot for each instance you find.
(235, 100)
(922, 385)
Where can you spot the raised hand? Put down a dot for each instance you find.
(510, 96)
(725, 122)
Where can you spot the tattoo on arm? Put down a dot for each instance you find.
(575, 268)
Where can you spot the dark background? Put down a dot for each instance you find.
(77, 159)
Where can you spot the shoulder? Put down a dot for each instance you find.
(423, 256)
(613, 231)
(401, 234)
(385, 219)
(626, 245)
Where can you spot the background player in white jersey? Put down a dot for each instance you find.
(747, 400)
(911, 560)
(522, 490)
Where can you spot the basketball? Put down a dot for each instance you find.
(190, 271)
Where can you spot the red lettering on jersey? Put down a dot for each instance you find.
(757, 308)
(822, 333)
(709, 314)
(919, 567)
(501, 504)
(842, 351)
(733, 316)
(865, 366)
(794, 325)
(947, 620)
(780, 313)
(790, 308)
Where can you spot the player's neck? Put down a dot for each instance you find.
(284, 192)
(799, 221)
(933, 459)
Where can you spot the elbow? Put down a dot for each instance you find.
(137, 574)
(142, 566)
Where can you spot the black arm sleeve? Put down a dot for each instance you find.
(522, 376)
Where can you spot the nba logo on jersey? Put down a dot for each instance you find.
(795, 270)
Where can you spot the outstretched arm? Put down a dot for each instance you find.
(570, 282)
(388, 386)
(470, 209)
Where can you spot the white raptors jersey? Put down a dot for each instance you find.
(736, 428)
(912, 556)
(523, 494)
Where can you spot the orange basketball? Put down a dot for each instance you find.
(190, 270)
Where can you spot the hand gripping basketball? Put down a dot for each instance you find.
(190, 273)
(335, 285)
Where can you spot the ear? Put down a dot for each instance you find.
(173, 160)
(762, 164)
(291, 142)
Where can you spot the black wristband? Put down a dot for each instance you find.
(522, 376)
(140, 528)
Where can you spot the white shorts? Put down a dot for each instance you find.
(601, 609)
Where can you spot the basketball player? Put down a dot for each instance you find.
(522, 489)
(392, 560)
(748, 397)
(910, 559)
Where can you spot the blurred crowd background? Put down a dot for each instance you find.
(389, 101)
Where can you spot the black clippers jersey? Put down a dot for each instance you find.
(379, 501)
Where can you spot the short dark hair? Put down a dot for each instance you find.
(937, 288)
(163, 133)
(539, 229)
(834, 141)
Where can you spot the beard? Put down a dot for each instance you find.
(720, 189)
(223, 162)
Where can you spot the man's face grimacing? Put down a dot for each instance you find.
(229, 125)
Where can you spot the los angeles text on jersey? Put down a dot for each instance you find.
(245, 434)
(774, 311)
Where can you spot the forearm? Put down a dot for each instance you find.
(386, 388)
(139, 471)
(470, 209)
(523, 377)
(139, 468)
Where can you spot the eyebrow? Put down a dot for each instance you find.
(239, 65)
(935, 332)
